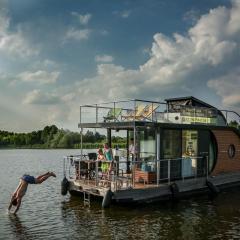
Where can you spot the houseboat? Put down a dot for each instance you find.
(175, 148)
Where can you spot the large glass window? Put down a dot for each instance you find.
(145, 148)
(171, 151)
(189, 152)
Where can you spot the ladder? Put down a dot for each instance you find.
(86, 198)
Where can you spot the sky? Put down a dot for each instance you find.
(57, 55)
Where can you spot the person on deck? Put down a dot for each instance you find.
(109, 156)
(22, 188)
(101, 158)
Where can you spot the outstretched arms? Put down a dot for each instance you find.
(19, 201)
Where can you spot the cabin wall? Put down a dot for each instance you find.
(224, 163)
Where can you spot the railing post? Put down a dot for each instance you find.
(152, 111)
(79, 163)
(169, 171)
(158, 158)
(114, 110)
(207, 166)
(182, 159)
(96, 113)
(196, 167)
(96, 169)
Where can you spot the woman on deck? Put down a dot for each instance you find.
(109, 157)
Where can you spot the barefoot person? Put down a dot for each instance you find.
(22, 188)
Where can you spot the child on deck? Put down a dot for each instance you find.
(22, 188)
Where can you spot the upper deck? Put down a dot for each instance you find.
(188, 110)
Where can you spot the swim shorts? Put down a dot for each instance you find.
(29, 179)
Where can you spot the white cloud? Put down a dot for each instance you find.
(104, 58)
(179, 64)
(41, 98)
(83, 19)
(14, 43)
(41, 77)
(82, 34)
(228, 87)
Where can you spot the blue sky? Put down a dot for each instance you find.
(56, 55)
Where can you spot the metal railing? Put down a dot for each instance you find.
(161, 171)
(150, 111)
(231, 116)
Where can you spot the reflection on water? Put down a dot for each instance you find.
(189, 219)
(45, 214)
(19, 230)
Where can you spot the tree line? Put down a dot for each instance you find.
(52, 137)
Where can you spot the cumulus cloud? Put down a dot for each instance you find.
(14, 43)
(41, 77)
(181, 63)
(228, 87)
(39, 97)
(76, 34)
(83, 19)
(104, 58)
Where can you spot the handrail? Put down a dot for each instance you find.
(162, 108)
(230, 111)
(113, 177)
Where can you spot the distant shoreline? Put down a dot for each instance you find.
(77, 146)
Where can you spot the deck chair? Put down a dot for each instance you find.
(133, 114)
(147, 112)
(113, 114)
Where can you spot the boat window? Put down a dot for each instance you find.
(147, 145)
(171, 151)
(189, 153)
(231, 151)
(189, 143)
(171, 144)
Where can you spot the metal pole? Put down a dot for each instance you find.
(96, 172)
(169, 172)
(134, 156)
(152, 112)
(207, 166)
(114, 110)
(81, 158)
(96, 113)
(81, 133)
(158, 157)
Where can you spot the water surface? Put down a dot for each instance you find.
(45, 214)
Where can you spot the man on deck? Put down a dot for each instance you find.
(22, 188)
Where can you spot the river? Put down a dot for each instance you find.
(46, 214)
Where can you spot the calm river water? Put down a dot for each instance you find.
(45, 214)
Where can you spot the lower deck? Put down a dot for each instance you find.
(141, 192)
